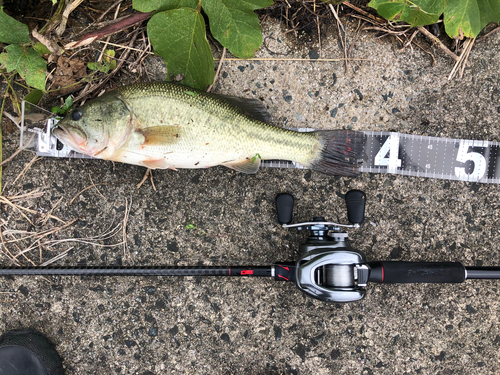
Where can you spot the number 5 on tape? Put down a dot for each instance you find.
(464, 155)
(390, 148)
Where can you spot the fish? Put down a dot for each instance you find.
(162, 125)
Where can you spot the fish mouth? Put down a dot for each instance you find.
(72, 137)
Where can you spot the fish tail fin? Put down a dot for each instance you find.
(341, 153)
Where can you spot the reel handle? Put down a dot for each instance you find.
(284, 208)
(355, 201)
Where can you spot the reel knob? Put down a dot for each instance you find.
(355, 201)
(284, 208)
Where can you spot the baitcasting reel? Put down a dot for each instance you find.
(328, 269)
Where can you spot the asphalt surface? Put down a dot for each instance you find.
(134, 325)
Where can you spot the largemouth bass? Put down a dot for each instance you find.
(165, 125)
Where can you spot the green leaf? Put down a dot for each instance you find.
(68, 103)
(468, 17)
(416, 12)
(178, 36)
(28, 63)
(34, 96)
(235, 25)
(152, 5)
(41, 49)
(12, 31)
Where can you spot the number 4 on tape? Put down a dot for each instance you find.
(388, 155)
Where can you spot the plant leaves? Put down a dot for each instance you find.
(235, 25)
(41, 49)
(152, 5)
(416, 12)
(34, 96)
(468, 17)
(178, 36)
(27, 62)
(12, 31)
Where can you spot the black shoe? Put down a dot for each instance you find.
(28, 352)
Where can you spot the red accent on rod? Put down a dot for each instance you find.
(285, 268)
(247, 272)
(382, 272)
(229, 271)
(283, 277)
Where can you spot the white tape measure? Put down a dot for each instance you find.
(422, 156)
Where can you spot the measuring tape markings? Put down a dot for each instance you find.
(424, 156)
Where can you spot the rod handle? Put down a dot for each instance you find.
(416, 272)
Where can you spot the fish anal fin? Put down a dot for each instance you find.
(156, 164)
(248, 166)
(160, 135)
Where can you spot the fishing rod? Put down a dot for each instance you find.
(328, 268)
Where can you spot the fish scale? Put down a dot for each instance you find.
(203, 125)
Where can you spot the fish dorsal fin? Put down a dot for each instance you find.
(160, 135)
(251, 107)
(248, 166)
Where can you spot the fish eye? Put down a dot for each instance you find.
(77, 114)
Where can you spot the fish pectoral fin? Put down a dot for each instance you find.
(156, 164)
(160, 135)
(245, 166)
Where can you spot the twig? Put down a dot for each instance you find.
(26, 168)
(319, 33)
(218, 70)
(124, 56)
(463, 56)
(52, 46)
(492, 31)
(11, 156)
(12, 257)
(21, 208)
(112, 29)
(152, 180)
(125, 219)
(237, 59)
(56, 258)
(466, 58)
(37, 193)
(148, 171)
(118, 2)
(341, 30)
(51, 210)
(107, 39)
(427, 52)
(379, 20)
(13, 119)
(87, 188)
(440, 44)
(64, 20)
(98, 192)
